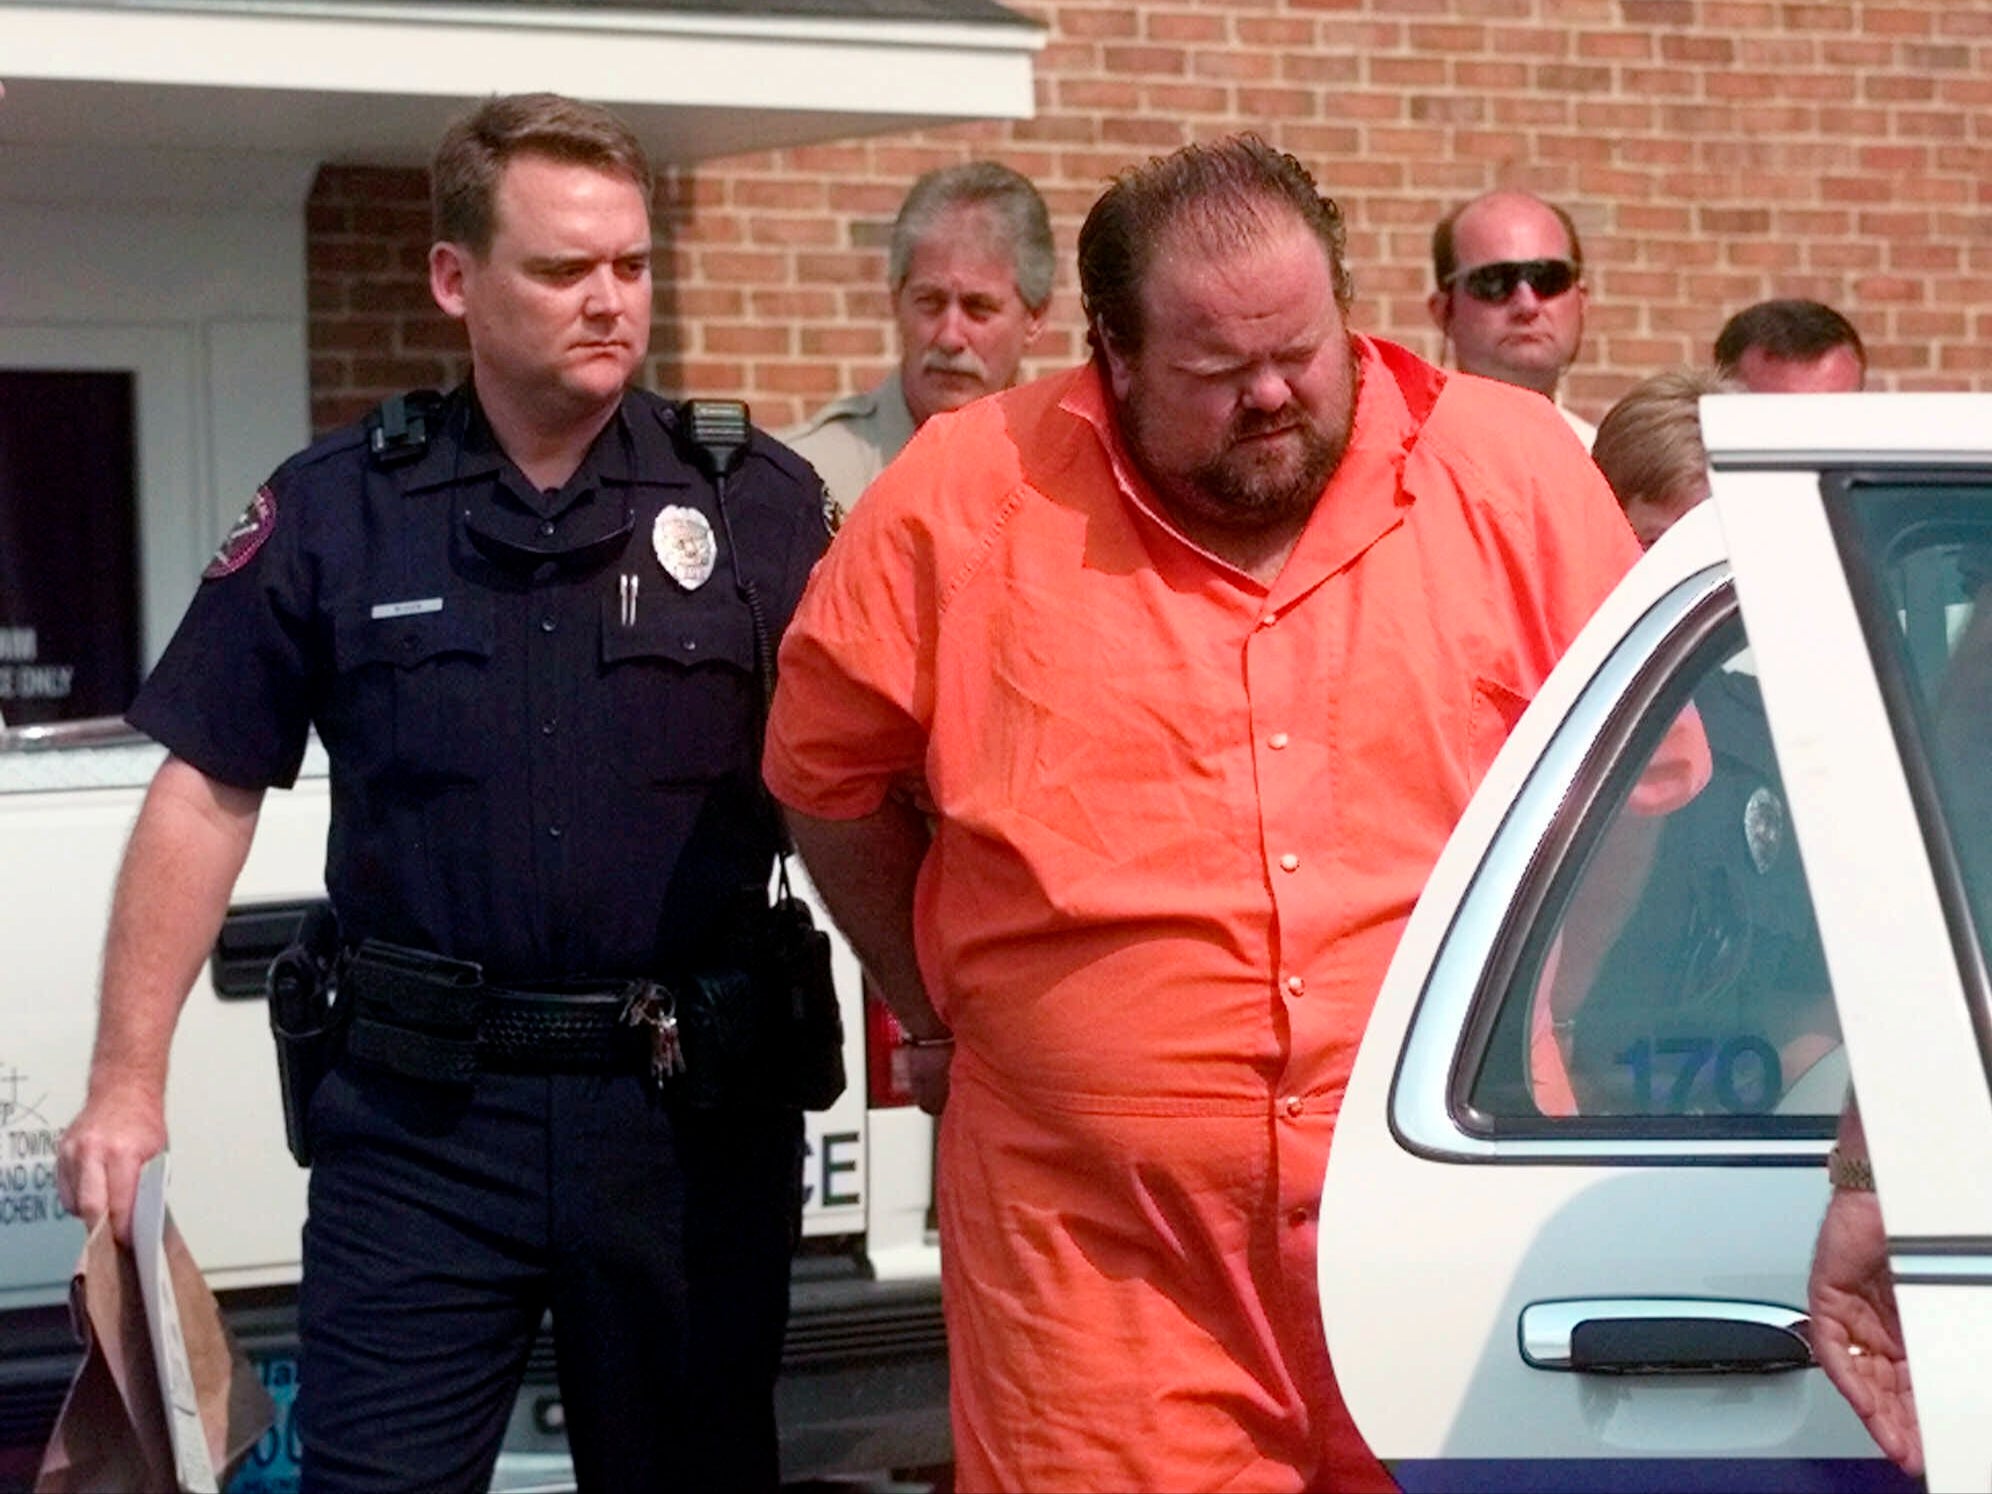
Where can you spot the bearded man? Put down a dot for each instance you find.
(1120, 729)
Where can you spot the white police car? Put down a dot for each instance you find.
(1572, 1199)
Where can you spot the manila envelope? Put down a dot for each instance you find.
(113, 1435)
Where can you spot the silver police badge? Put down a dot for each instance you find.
(683, 540)
(1764, 828)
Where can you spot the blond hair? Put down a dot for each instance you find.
(1649, 444)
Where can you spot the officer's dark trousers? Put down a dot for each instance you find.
(441, 1228)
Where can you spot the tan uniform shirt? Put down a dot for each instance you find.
(850, 440)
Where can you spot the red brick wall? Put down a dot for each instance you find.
(1713, 152)
(374, 328)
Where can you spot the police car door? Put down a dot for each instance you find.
(1871, 586)
(1571, 1202)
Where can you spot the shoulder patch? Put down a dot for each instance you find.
(833, 512)
(245, 537)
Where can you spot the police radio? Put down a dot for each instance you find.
(718, 432)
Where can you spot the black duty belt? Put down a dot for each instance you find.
(555, 1031)
(427, 1017)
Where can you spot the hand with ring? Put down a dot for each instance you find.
(1856, 1330)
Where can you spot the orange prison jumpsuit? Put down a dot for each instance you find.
(1182, 818)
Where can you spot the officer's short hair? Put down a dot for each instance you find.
(1229, 193)
(475, 149)
(1008, 195)
(1789, 331)
(1650, 443)
(1445, 257)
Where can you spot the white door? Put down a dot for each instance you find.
(1570, 1206)
(1879, 672)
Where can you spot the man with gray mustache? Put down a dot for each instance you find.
(970, 270)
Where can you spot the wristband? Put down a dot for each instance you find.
(1849, 1174)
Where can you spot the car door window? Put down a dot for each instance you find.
(1919, 561)
(1673, 979)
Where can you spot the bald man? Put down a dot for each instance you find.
(1510, 297)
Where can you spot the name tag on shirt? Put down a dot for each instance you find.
(407, 609)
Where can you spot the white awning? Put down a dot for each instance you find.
(375, 83)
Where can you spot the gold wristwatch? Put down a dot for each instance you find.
(1853, 1174)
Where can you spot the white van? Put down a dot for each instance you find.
(864, 1384)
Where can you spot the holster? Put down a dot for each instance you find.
(305, 1020)
(812, 1053)
(763, 1029)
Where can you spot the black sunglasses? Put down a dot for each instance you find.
(1495, 282)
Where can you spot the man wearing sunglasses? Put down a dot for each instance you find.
(1510, 297)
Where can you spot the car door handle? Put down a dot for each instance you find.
(1664, 1336)
(252, 936)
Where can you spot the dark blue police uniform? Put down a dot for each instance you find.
(1719, 964)
(543, 722)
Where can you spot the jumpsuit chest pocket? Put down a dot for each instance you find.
(682, 690)
(419, 688)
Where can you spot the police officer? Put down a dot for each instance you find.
(529, 627)
(1718, 965)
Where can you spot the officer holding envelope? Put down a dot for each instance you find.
(530, 621)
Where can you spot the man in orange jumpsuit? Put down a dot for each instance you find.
(1120, 728)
